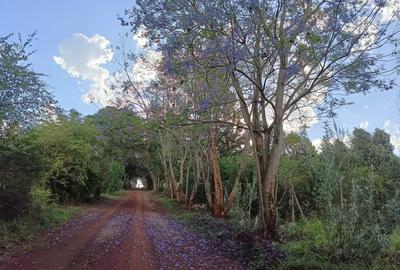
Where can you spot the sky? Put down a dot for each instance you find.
(74, 50)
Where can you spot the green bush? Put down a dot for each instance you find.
(394, 240)
(321, 234)
(309, 263)
(25, 227)
(114, 177)
(73, 159)
(40, 198)
(18, 172)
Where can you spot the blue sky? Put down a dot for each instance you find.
(56, 21)
(61, 23)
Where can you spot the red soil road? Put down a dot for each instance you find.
(130, 233)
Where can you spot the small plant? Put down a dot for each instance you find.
(394, 240)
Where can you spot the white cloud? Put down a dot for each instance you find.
(317, 144)
(394, 131)
(82, 57)
(364, 125)
(387, 124)
(390, 9)
(145, 69)
(141, 39)
(347, 140)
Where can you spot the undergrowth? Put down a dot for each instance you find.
(305, 245)
(112, 195)
(25, 227)
(43, 214)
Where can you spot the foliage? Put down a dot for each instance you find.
(244, 211)
(271, 61)
(18, 173)
(120, 131)
(394, 239)
(73, 171)
(25, 227)
(352, 191)
(112, 181)
(233, 76)
(24, 97)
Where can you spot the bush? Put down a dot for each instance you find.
(18, 172)
(73, 160)
(25, 227)
(114, 177)
(40, 198)
(394, 240)
(242, 211)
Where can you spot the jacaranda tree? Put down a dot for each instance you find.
(281, 58)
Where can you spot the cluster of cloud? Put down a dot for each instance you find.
(364, 125)
(317, 143)
(390, 10)
(82, 57)
(391, 128)
(394, 131)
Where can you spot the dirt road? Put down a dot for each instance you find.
(130, 233)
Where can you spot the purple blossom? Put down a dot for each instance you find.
(292, 70)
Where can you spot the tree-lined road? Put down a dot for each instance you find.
(130, 233)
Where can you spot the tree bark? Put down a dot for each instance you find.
(216, 173)
(231, 198)
(196, 179)
(180, 183)
(291, 201)
(205, 176)
(187, 180)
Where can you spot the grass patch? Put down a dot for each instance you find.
(113, 195)
(312, 244)
(175, 209)
(309, 263)
(37, 220)
(167, 203)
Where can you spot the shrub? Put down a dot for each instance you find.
(40, 198)
(24, 227)
(18, 172)
(394, 240)
(114, 177)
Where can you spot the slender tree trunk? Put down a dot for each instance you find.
(298, 203)
(187, 180)
(163, 159)
(173, 180)
(269, 184)
(196, 179)
(154, 180)
(180, 183)
(291, 201)
(206, 177)
(231, 198)
(216, 173)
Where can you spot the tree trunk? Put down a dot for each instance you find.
(196, 179)
(231, 198)
(173, 185)
(187, 180)
(291, 201)
(180, 183)
(298, 204)
(216, 173)
(154, 180)
(270, 215)
(205, 176)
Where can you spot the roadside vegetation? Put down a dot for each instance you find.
(221, 132)
(52, 161)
